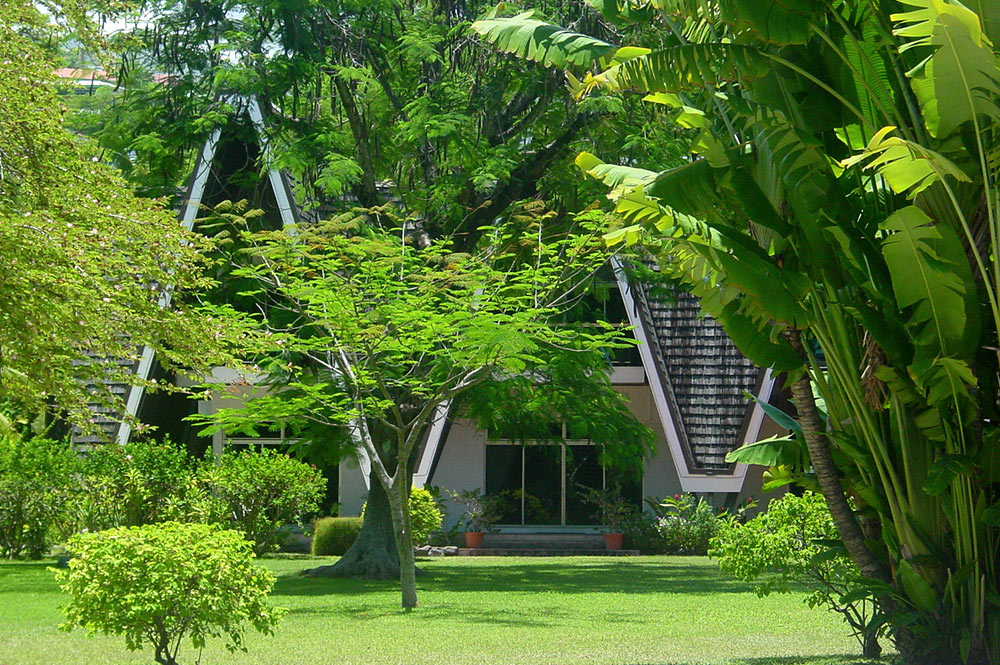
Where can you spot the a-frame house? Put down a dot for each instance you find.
(688, 383)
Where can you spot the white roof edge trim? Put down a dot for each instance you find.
(203, 166)
(274, 175)
(434, 440)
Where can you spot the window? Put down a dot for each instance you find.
(540, 483)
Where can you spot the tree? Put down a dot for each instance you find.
(820, 126)
(88, 267)
(373, 103)
(371, 100)
(371, 332)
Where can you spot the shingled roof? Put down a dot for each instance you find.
(708, 378)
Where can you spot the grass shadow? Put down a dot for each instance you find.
(24, 576)
(843, 659)
(539, 576)
(433, 613)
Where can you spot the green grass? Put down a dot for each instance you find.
(494, 611)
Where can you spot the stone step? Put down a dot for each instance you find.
(541, 551)
(560, 541)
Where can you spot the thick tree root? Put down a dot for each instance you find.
(365, 564)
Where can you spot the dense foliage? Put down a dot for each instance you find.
(838, 215)
(157, 584)
(38, 482)
(87, 264)
(681, 524)
(48, 491)
(788, 547)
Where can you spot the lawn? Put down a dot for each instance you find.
(503, 611)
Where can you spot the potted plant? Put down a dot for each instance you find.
(479, 515)
(613, 510)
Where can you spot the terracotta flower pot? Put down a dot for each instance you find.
(473, 538)
(613, 541)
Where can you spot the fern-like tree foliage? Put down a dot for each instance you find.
(838, 214)
(372, 334)
(389, 106)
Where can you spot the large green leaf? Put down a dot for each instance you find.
(989, 13)
(774, 21)
(917, 589)
(801, 164)
(621, 179)
(543, 42)
(959, 79)
(773, 451)
(752, 336)
(780, 418)
(925, 278)
(638, 208)
(621, 10)
(865, 76)
(684, 67)
(691, 188)
(944, 470)
(909, 168)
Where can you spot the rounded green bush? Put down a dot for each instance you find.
(131, 485)
(38, 479)
(158, 583)
(258, 491)
(425, 514)
(333, 535)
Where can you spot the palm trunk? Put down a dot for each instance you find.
(848, 528)
(827, 475)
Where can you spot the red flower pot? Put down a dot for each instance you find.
(613, 541)
(473, 538)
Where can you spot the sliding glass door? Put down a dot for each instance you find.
(541, 484)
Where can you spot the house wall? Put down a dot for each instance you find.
(462, 461)
(659, 476)
(461, 466)
(352, 487)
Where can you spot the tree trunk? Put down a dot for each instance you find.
(871, 648)
(399, 503)
(848, 528)
(374, 555)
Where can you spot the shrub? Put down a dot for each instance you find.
(37, 482)
(642, 533)
(256, 492)
(779, 549)
(156, 584)
(333, 535)
(131, 485)
(425, 514)
(686, 523)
